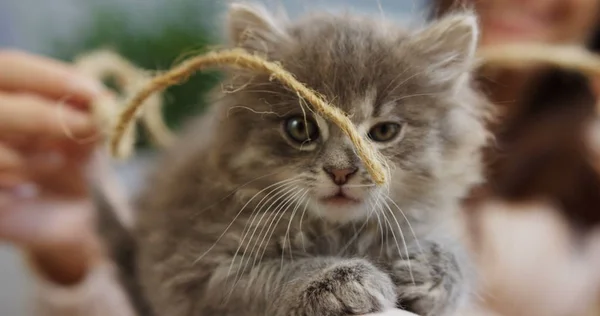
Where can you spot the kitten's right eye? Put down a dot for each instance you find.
(301, 130)
(385, 132)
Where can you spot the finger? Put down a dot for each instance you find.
(41, 149)
(76, 151)
(28, 115)
(39, 224)
(61, 170)
(57, 168)
(45, 162)
(10, 160)
(11, 168)
(51, 168)
(40, 75)
(65, 182)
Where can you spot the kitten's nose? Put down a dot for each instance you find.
(340, 176)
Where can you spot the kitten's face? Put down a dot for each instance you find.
(403, 92)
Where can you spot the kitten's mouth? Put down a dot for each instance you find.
(339, 199)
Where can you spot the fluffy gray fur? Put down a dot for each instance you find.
(234, 221)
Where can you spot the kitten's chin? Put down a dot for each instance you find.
(340, 210)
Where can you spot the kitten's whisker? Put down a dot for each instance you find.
(300, 224)
(280, 186)
(392, 230)
(403, 242)
(412, 231)
(347, 186)
(356, 233)
(287, 231)
(412, 96)
(281, 194)
(268, 198)
(359, 185)
(409, 78)
(244, 261)
(241, 186)
(253, 216)
(286, 238)
(399, 228)
(393, 81)
(388, 228)
(283, 211)
(278, 204)
(242, 266)
(233, 220)
(265, 214)
(271, 215)
(381, 228)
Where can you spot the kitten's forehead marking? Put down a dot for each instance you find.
(366, 109)
(386, 109)
(367, 104)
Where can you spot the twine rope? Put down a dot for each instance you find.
(241, 59)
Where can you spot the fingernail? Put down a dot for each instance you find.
(89, 86)
(77, 121)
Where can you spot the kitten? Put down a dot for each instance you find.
(263, 208)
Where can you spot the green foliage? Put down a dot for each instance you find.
(153, 40)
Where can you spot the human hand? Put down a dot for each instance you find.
(44, 199)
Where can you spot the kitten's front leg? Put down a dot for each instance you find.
(431, 282)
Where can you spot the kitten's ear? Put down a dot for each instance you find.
(450, 43)
(252, 27)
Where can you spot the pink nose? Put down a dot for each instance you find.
(340, 176)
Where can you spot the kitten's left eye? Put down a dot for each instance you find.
(385, 132)
(301, 130)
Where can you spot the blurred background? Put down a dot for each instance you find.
(536, 224)
(154, 34)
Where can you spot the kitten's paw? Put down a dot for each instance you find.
(354, 287)
(429, 283)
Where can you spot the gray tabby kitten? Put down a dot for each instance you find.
(263, 208)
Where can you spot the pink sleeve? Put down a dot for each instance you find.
(99, 294)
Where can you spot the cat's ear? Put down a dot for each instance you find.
(449, 44)
(252, 27)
